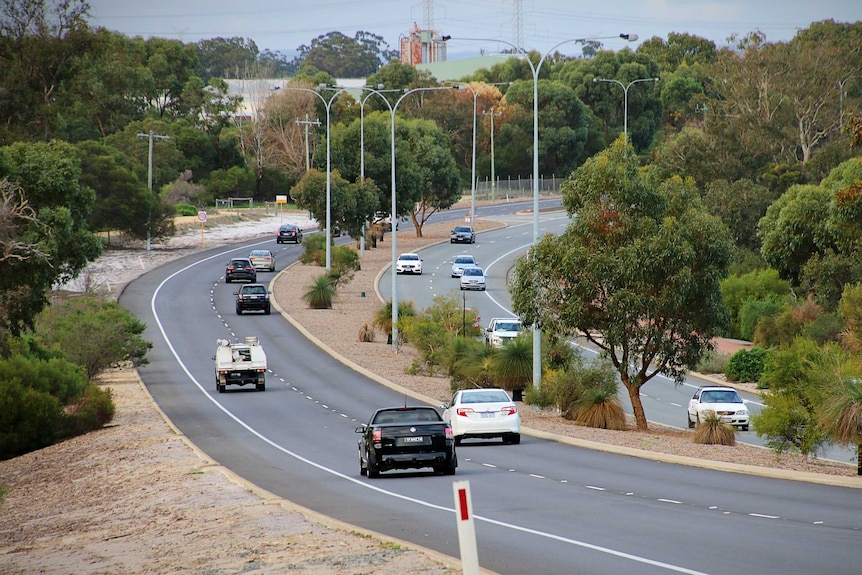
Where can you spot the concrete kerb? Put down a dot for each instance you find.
(839, 481)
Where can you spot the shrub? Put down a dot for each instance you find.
(824, 328)
(712, 362)
(94, 409)
(746, 365)
(713, 431)
(92, 332)
(366, 333)
(186, 210)
(29, 419)
(56, 376)
(320, 293)
(750, 314)
(314, 251)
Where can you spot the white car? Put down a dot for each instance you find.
(502, 330)
(473, 278)
(724, 401)
(461, 262)
(408, 263)
(483, 413)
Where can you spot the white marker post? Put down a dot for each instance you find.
(466, 528)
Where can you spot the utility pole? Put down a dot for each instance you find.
(151, 136)
(307, 124)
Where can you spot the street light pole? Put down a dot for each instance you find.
(625, 88)
(150, 136)
(328, 105)
(537, 334)
(393, 108)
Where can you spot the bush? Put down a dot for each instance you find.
(320, 293)
(315, 249)
(92, 332)
(750, 314)
(94, 409)
(824, 328)
(54, 376)
(29, 419)
(186, 210)
(712, 362)
(746, 365)
(713, 431)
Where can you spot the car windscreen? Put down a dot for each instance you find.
(508, 326)
(720, 397)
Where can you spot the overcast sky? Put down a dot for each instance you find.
(287, 24)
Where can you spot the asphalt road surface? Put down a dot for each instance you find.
(541, 506)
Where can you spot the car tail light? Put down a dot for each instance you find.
(509, 410)
(449, 433)
(230, 267)
(463, 411)
(377, 435)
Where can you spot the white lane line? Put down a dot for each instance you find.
(763, 516)
(594, 488)
(674, 501)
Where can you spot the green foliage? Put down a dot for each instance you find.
(320, 293)
(383, 316)
(344, 57)
(92, 332)
(637, 270)
(713, 431)
(472, 364)
(429, 337)
(794, 376)
(435, 330)
(597, 405)
(759, 285)
(314, 249)
(186, 210)
(740, 205)
(746, 365)
(850, 310)
(344, 262)
(46, 218)
(825, 327)
(751, 312)
(512, 364)
(29, 419)
(55, 376)
(92, 411)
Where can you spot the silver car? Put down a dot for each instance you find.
(473, 278)
(461, 262)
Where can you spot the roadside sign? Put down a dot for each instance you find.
(202, 216)
(281, 199)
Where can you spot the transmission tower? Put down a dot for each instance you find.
(517, 24)
(428, 12)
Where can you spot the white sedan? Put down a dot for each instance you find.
(461, 262)
(483, 413)
(724, 401)
(408, 263)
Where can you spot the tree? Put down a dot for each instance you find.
(679, 50)
(43, 227)
(351, 205)
(344, 57)
(740, 205)
(123, 202)
(637, 272)
(41, 44)
(225, 57)
(793, 375)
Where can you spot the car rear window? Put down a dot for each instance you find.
(489, 396)
(464, 260)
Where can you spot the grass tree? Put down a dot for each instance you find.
(320, 293)
(840, 413)
(513, 365)
(713, 431)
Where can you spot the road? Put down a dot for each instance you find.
(541, 507)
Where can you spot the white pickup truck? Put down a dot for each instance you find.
(240, 364)
(502, 329)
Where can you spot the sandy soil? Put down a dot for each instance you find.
(137, 498)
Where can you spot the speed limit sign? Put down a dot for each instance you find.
(202, 216)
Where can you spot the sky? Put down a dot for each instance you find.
(284, 25)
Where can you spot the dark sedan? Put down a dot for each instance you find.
(463, 235)
(288, 233)
(240, 269)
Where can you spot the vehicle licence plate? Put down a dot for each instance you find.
(413, 440)
(487, 414)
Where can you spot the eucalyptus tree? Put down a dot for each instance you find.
(636, 273)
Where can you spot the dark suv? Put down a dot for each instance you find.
(252, 297)
(240, 269)
(288, 233)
